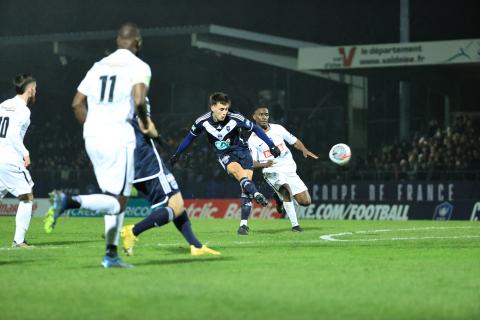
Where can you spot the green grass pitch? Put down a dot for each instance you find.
(381, 270)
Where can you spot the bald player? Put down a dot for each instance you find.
(113, 89)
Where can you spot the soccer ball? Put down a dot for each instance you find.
(340, 154)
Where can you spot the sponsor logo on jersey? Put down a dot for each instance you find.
(267, 153)
(222, 145)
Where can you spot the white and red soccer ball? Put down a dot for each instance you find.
(340, 154)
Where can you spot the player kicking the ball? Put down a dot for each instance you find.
(223, 129)
(154, 180)
(281, 172)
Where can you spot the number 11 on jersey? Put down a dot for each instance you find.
(104, 80)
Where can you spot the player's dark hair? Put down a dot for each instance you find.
(260, 106)
(21, 82)
(219, 97)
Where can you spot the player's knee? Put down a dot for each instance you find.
(304, 200)
(285, 192)
(28, 197)
(177, 204)
(120, 205)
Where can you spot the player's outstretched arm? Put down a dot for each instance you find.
(262, 135)
(181, 148)
(306, 153)
(79, 106)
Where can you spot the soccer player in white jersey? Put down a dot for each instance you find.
(114, 88)
(281, 172)
(14, 157)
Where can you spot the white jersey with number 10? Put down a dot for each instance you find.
(14, 122)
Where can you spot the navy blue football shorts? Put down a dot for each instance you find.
(243, 157)
(158, 189)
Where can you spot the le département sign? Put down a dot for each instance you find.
(390, 55)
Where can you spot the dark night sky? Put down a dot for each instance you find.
(332, 22)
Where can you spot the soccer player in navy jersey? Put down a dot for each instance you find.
(223, 128)
(154, 180)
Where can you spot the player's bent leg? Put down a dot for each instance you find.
(157, 218)
(22, 221)
(303, 198)
(176, 203)
(279, 205)
(245, 178)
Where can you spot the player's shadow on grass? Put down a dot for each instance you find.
(286, 230)
(161, 262)
(3, 263)
(269, 231)
(65, 242)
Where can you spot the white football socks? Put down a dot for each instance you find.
(113, 225)
(100, 203)
(292, 215)
(22, 220)
(243, 223)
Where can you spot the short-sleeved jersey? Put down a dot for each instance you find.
(261, 152)
(14, 122)
(108, 87)
(224, 136)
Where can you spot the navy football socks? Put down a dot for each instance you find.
(185, 228)
(246, 206)
(157, 218)
(248, 186)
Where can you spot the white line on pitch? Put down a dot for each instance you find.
(333, 237)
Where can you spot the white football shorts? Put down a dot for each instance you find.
(278, 179)
(113, 165)
(15, 180)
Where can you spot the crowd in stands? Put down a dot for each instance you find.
(434, 153)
